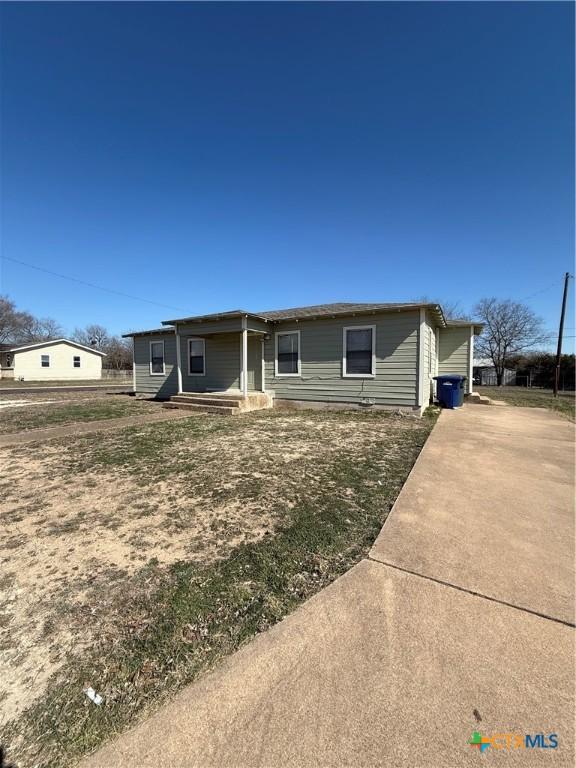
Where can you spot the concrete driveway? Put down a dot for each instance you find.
(467, 629)
(490, 508)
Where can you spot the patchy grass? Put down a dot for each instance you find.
(13, 384)
(533, 398)
(36, 415)
(234, 523)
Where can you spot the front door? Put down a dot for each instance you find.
(255, 363)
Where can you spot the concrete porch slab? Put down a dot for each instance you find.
(382, 668)
(489, 507)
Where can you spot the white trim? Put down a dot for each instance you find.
(299, 362)
(263, 361)
(54, 341)
(437, 367)
(470, 360)
(203, 340)
(371, 375)
(74, 358)
(244, 359)
(42, 361)
(157, 341)
(178, 362)
(421, 359)
(133, 367)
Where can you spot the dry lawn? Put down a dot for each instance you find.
(26, 411)
(90, 528)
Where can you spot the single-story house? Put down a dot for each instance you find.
(357, 355)
(59, 360)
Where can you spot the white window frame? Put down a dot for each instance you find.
(42, 362)
(158, 341)
(203, 340)
(345, 373)
(74, 358)
(287, 375)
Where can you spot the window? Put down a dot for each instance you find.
(196, 357)
(45, 361)
(359, 357)
(76, 361)
(288, 354)
(157, 358)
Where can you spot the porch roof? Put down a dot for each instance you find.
(216, 316)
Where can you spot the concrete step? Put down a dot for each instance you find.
(477, 399)
(223, 410)
(206, 400)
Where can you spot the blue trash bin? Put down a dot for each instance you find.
(450, 390)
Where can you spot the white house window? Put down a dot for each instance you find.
(359, 358)
(157, 358)
(196, 357)
(288, 354)
(76, 361)
(45, 361)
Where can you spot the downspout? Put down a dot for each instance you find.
(421, 331)
(437, 362)
(178, 359)
(244, 371)
(470, 359)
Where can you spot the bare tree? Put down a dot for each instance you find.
(11, 320)
(93, 335)
(40, 329)
(509, 328)
(118, 354)
(118, 351)
(452, 309)
(18, 327)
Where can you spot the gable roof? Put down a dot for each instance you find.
(313, 311)
(152, 332)
(338, 308)
(22, 347)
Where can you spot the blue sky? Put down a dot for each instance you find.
(210, 156)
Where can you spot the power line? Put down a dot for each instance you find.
(543, 290)
(90, 285)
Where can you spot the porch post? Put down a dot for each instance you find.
(263, 361)
(178, 361)
(244, 363)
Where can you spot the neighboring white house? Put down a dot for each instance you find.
(58, 360)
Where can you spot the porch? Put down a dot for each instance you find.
(225, 356)
(220, 365)
(230, 403)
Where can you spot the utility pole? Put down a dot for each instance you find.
(560, 334)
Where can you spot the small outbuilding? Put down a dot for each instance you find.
(57, 360)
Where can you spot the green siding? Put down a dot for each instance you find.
(222, 363)
(321, 352)
(157, 386)
(454, 351)
(395, 383)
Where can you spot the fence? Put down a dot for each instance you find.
(109, 373)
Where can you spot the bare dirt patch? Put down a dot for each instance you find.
(90, 529)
